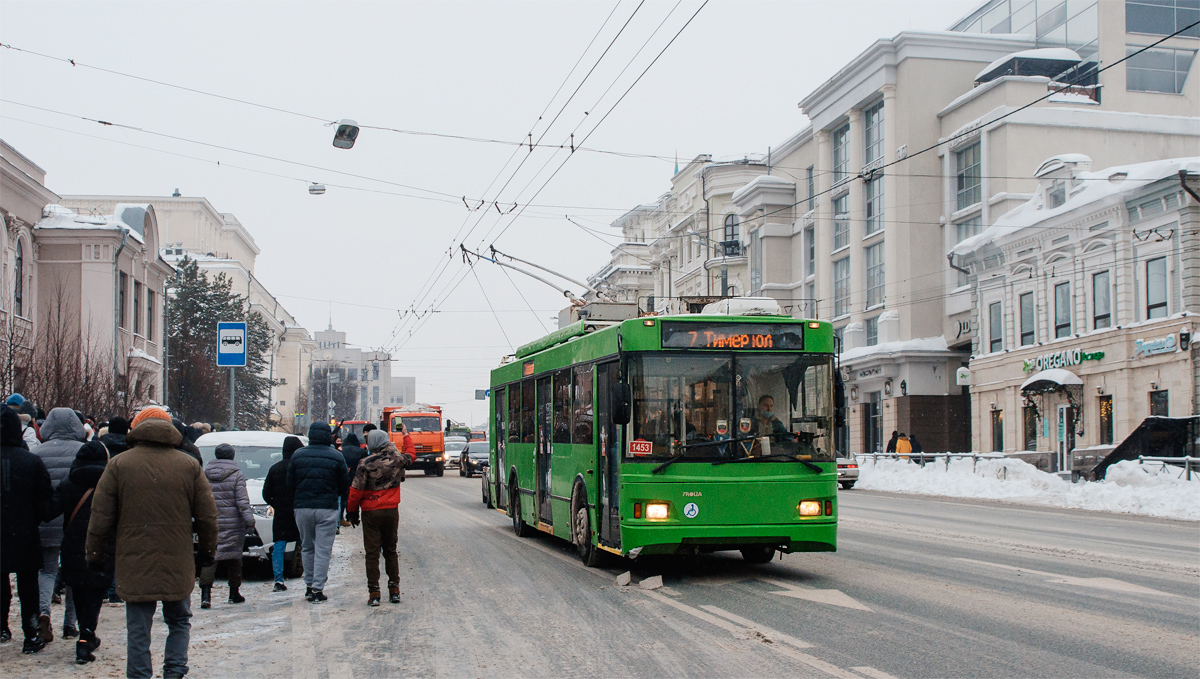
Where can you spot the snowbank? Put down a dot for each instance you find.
(1129, 488)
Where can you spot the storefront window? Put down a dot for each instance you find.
(1030, 416)
(1106, 420)
(998, 431)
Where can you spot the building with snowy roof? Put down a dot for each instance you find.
(1086, 297)
(219, 244)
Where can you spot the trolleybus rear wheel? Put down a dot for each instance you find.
(520, 528)
(758, 553)
(581, 529)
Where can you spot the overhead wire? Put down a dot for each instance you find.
(489, 303)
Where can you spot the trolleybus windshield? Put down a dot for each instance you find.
(722, 407)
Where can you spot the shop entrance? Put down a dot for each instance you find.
(1066, 436)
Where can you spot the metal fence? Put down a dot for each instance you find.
(1186, 463)
(922, 458)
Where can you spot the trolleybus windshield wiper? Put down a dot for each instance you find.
(782, 458)
(685, 448)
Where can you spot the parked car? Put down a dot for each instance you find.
(847, 472)
(255, 452)
(473, 459)
(455, 445)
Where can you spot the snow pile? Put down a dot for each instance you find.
(1129, 488)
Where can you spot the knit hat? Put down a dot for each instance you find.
(224, 452)
(27, 408)
(118, 425)
(92, 452)
(150, 412)
(10, 428)
(14, 400)
(290, 445)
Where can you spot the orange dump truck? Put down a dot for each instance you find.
(424, 425)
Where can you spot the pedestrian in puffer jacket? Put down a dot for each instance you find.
(234, 519)
(376, 490)
(62, 437)
(318, 476)
(279, 495)
(89, 588)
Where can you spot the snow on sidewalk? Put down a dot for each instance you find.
(1129, 488)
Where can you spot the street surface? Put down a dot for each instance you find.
(920, 587)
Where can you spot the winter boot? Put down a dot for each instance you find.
(45, 629)
(5, 635)
(206, 597)
(319, 597)
(33, 639)
(90, 638)
(373, 598)
(394, 595)
(69, 632)
(280, 587)
(308, 593)
(235, 597)
(83, 653)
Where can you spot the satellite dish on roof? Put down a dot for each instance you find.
(347, 132)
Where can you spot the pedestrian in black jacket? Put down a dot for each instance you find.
(277, 493)
(354, 453)
(317, 473)
(114, 440)
(90, 588)
(26, 500)
(891, 444)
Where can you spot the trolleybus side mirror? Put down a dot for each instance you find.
(621, 403)
(839, 402)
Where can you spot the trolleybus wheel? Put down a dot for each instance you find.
(520, 528)
(758, 553)
(581, 529)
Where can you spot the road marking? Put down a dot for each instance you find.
(1110, 584)
(749, 624)
(832, 597)
(872, 672)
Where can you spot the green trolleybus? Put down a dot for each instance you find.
(670, 435)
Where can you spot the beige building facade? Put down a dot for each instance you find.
(220, 244)
(1086, 304)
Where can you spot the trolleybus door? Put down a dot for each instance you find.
(500, 496)
(545, 407)
(609, 436)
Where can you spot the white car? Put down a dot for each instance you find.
(847, 472)
(454, 447)
(254, 452)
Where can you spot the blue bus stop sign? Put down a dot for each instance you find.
(231, 345)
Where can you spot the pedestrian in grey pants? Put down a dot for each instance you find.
(139, 617)
(149, 499)
(318, 476)
(317, 530)
(62, 435)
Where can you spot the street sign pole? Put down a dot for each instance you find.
(231, 353)
(232, 410)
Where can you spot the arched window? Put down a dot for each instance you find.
(731, 228)
(19, 279)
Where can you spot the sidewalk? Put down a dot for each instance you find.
(271, 635)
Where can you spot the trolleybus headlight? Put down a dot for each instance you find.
(810, 508)
(656, 510)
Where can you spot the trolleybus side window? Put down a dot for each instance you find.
(528, 430)
(582, 407)
(562, 406)
(514, 413)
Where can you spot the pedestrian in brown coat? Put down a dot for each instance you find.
(147, 499)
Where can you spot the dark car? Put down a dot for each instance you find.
(473, 459)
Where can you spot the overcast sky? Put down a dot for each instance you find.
(360, 254)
